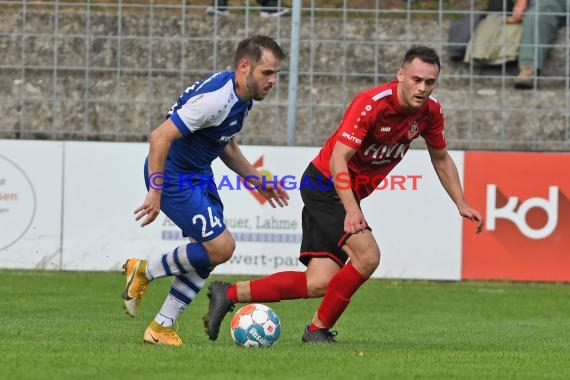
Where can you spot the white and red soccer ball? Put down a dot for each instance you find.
(255, 325)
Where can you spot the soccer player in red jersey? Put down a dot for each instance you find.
(341, 253)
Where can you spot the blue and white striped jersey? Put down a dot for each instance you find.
(209, 114)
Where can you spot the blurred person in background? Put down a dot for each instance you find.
(495, 40)
(460, 31)
(540, 25)
(269, 8)
(519, 8)
(338, 247)
(200, 127)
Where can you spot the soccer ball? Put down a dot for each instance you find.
(255, 325)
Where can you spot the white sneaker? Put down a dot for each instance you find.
(211, 11)
(275, 12)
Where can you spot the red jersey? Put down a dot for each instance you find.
(376, 125)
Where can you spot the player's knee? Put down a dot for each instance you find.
(316, 286)
(220, 256)
(226, 252)
(220, 249)
(367, 264)
(230, 248)
(224, 256)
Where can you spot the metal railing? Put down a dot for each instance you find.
(109, 70)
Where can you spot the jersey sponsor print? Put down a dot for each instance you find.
(380, 130)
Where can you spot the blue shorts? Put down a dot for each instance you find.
(195, 207)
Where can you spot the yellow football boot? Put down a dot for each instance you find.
(134, 271)
(157, 334)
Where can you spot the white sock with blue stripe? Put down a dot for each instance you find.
(184, 259)
(183, 291)
(190, 266)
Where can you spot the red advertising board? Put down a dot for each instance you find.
(525, 199)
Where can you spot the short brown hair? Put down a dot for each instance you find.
(426, 54)
(253, 48)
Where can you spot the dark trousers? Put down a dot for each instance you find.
(223, 4)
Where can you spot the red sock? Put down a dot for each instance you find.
(313, 327)
(231, 292)
(337, 296)
(279, 286)
(273, 288)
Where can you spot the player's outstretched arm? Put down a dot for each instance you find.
(449, 178)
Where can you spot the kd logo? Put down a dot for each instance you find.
(518, 217)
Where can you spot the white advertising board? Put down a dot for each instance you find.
(418, 230)
(30, 204)
(268, 239)
(104, 184)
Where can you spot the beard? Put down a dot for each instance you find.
(253, 88)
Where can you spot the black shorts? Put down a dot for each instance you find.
(323, 219)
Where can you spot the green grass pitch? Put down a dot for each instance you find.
(69, 325)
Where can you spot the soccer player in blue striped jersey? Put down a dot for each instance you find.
(200, 127)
